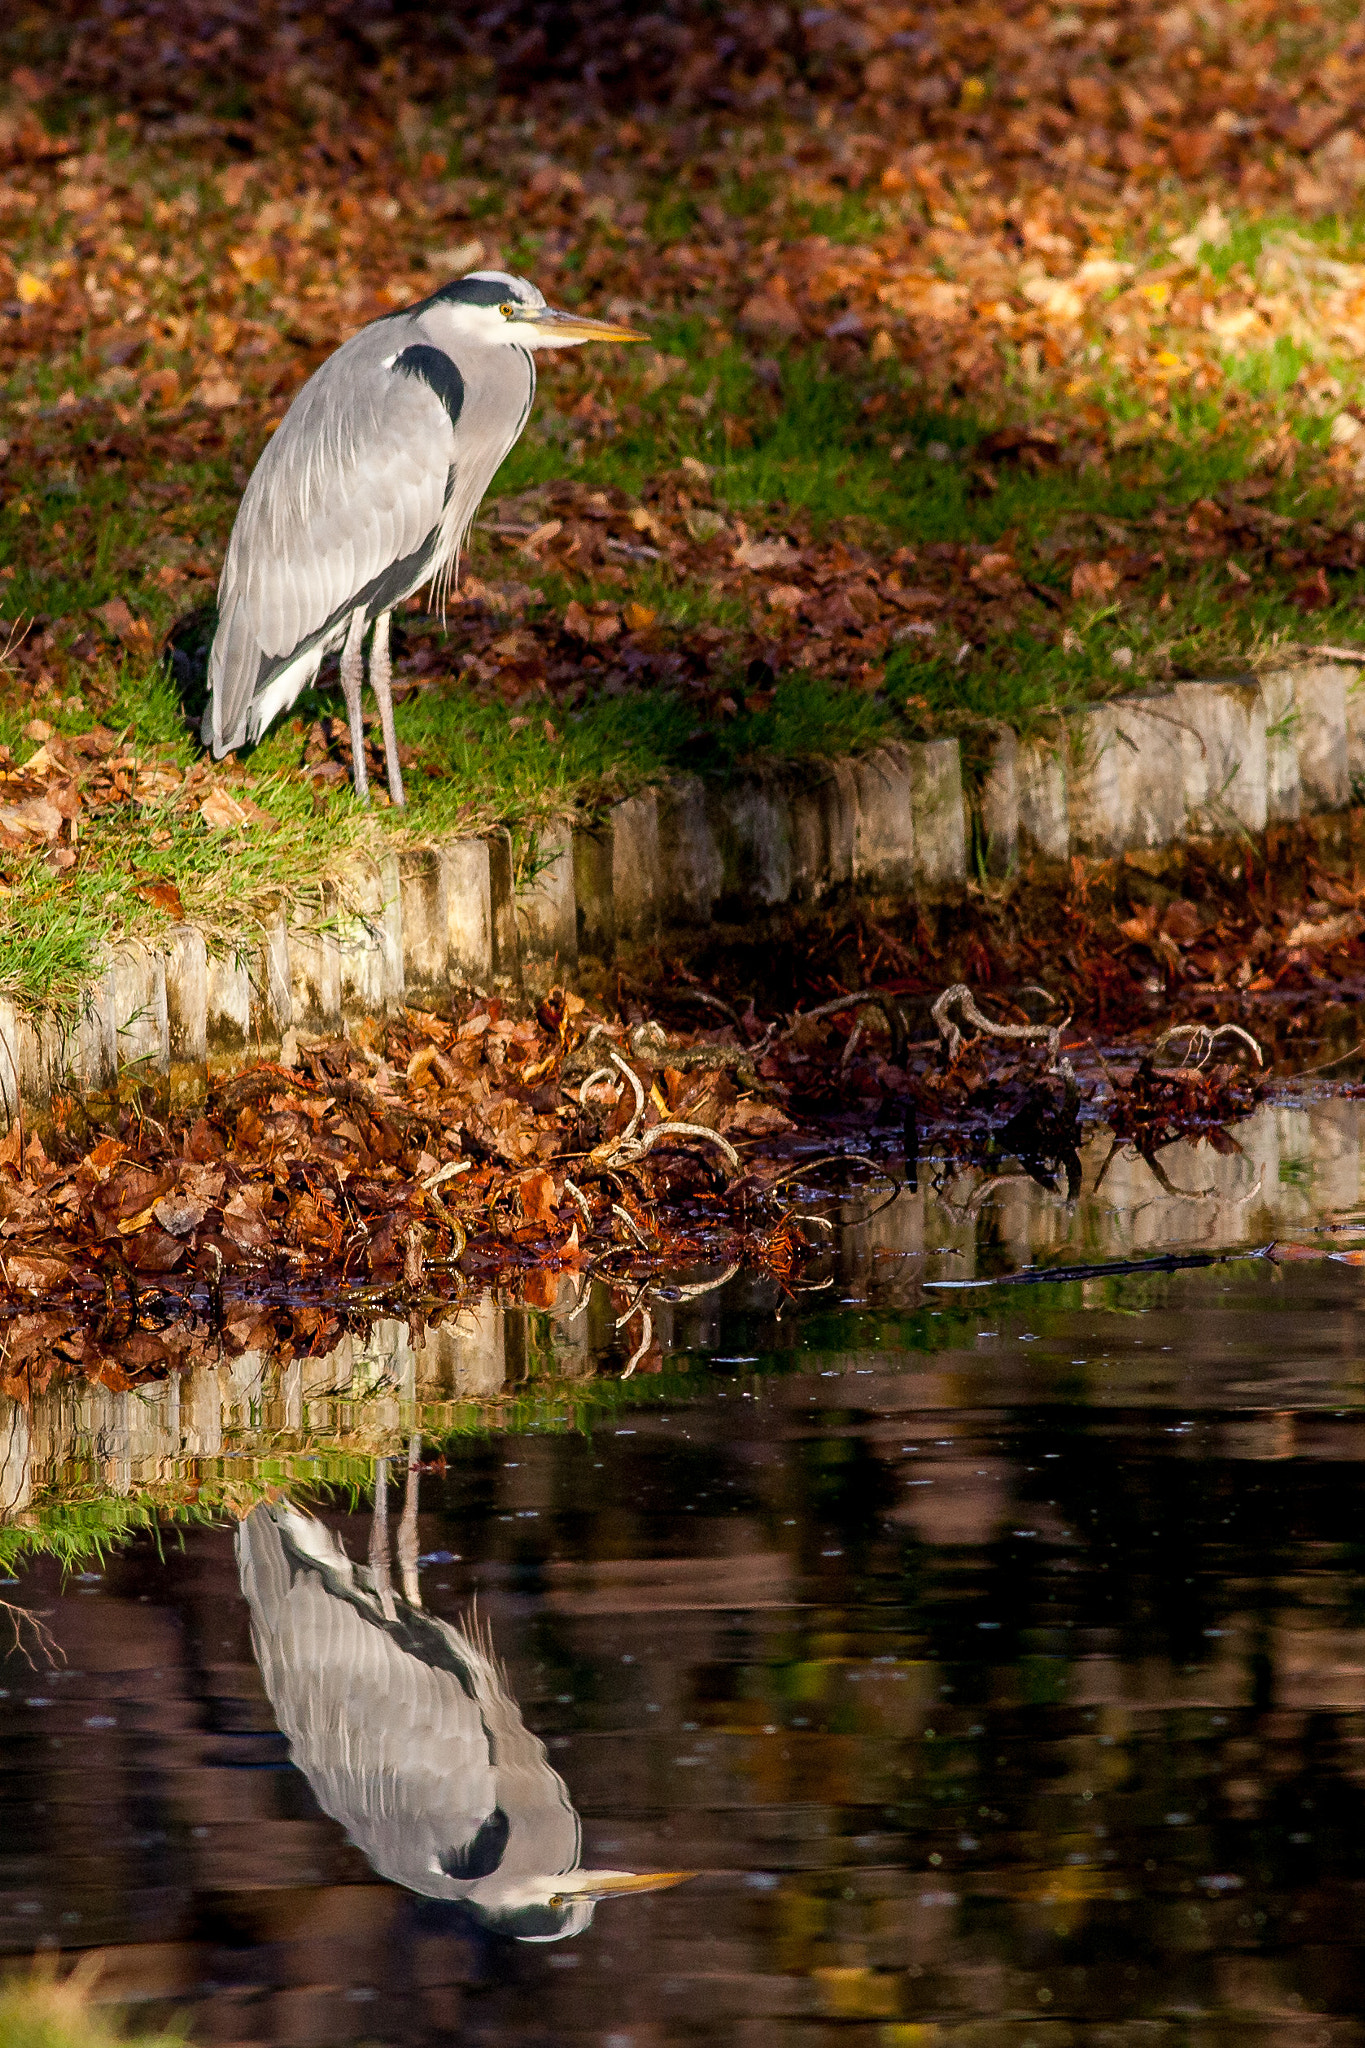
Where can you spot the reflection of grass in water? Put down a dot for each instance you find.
(40, 2011)
(84, 1526)
(80, 1525)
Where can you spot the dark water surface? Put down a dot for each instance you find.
(997, 1659)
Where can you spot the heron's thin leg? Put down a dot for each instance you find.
(379, 1541)
(407, 1527)
(352, 680)
(380, 682)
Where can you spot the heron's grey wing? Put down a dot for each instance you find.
(352, 487)
(393, 1747)
(547, 1838)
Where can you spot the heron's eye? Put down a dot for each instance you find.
(508, 310)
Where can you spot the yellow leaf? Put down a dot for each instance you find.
(218, 392)
(130, 1225)
(30, 289)
(221, 812)
(254, 265)
(639, 617)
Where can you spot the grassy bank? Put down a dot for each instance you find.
(945, 417)
(42, 2011)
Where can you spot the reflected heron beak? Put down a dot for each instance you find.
(612, 1884)
(558, 330)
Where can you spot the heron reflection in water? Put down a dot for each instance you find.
(405, 1729)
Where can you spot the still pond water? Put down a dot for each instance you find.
(994, 1655)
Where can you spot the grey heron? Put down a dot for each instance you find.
(405, 1729)
(367, 490)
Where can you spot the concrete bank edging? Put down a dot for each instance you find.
(1206, 759)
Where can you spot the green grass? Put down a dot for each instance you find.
(837, 445)
(76, 1521)
(42, 2011)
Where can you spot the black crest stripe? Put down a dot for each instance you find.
(472, 291)
(462, 291)
(435, 369)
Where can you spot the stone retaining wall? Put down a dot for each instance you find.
(1207, 759)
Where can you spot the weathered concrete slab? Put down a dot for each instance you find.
(1223, 752)
(636, 872)
(1284, 795)
(141, 1024)
(426, 928)
(824, 823)
(547, 910)
(691, 871)
(90, 1049)
(1324, 769)
(1040, 782)
(594, 899)
(186, 966)
(227, 1006)
(471, 920)
(315, 969)
(939, 815)
(1355, 733)
(1125, 778)
(25, 1072)
(997, 804)
(504, 931)
(752, 822)
(369, 938)
(884, 826)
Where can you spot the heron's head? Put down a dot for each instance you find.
(551, 1908)
(492, 306)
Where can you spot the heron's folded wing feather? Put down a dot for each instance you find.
(394, 1749)
(354, 480)
(311, 538)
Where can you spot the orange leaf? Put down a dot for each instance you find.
(163, 896)
(1093, 580)
(134, 634)
(538, 1198)
(222, 813)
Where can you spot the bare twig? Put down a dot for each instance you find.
(597, 1074)
(575, 1194)
(960, 998)
(874, 997)
(629, 1155)
(646, 1339)
(1330, 653)
(633, 1126)
(700, 1287)
(1204, 1042)
(19, 1619)
(631, 1224)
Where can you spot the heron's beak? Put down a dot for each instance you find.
(554, 329)
(613, 1884)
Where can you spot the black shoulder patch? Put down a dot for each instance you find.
(481, 1855)
(435, 368)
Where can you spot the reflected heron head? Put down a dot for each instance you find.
(407, 1730)
(552, 1908)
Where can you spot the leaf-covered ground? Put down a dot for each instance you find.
(1001, 356)
(686, 1121)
